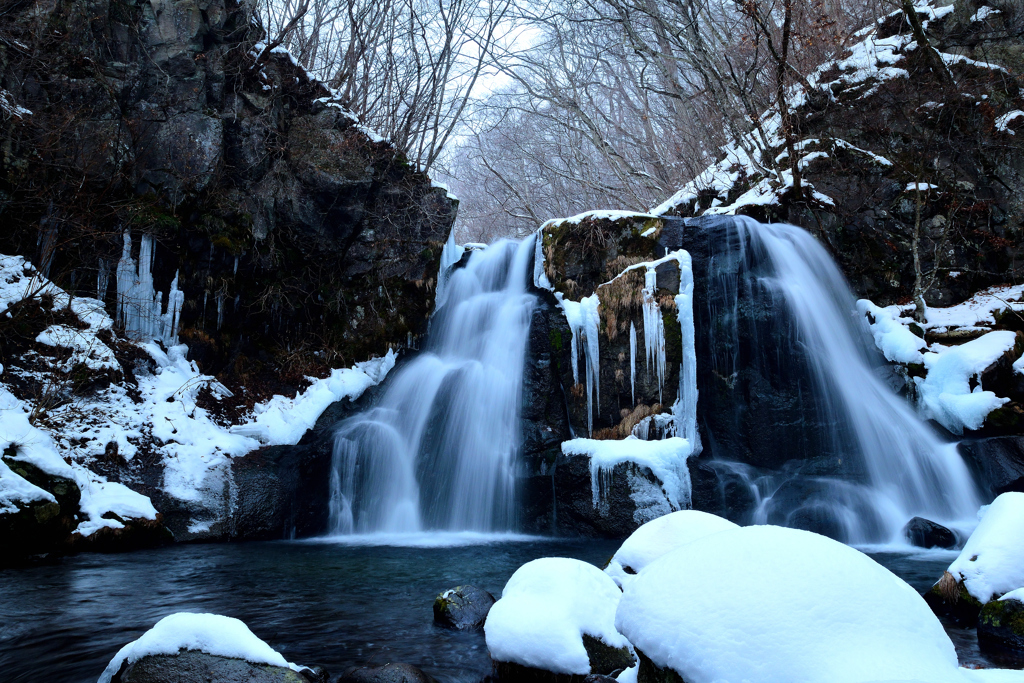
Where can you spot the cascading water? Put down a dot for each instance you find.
(438, 450)
(902, 468)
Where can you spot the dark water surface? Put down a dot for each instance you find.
(327, 604)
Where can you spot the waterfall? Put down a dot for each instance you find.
(901, 468)
(438, 449)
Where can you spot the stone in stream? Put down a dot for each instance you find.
(463, 608)
(1001, 627)
(387, 673)
(189, 666)
(925, 533)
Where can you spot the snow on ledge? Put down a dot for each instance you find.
(210, 633)
(665, 458)
(609, 215)
(283, 421)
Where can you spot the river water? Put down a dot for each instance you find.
(329, 604)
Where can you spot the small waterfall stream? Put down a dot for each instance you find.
(437, 451)
(904, 469)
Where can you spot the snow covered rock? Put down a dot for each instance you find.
(187, 647)
(990, 564)
(778, 605)
(463, 608)
(661, 536)
(1001, 626)
(555, 618)
(952, 393)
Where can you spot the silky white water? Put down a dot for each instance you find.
(910, 472)
(438, 450)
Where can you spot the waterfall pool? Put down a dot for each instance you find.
(333, 604)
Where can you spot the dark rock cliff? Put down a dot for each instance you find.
(301, 241)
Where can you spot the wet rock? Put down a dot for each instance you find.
(649, 672)
(997, 463)
(605, 662)
(925, 533)
(1001, 629)
(388, 673)
(189, 667)
(463, 608)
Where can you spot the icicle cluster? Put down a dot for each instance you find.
(585, 323)
(140, 308)
(450, 255)
(654, 328)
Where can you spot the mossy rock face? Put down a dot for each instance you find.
(40, 526)
(463, 608)
(950, 598)
(652, 673)
(189, 666)
(605, 659)
(1001, 629)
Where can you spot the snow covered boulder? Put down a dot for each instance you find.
(1001, 626)
(777, 605)
(555, 620)
(990, 564)
(188, 647)
(661, 536)
(463, 608)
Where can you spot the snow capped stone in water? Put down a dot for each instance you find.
(545, 610)
(777, 605)
(992, 561)
(210, 633)
(661, 536)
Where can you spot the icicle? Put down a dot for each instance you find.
(235, 271)
(102, 279)
(654, 329)
(632, 361)
(685, 408)
(175, 300)
(450, 255)
(585, 323)
(220, 310)
(126, 274)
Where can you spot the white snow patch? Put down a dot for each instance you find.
(777, 605)
(945, 394)
(984, 13)
(921, 187)
(210, 633)
(659, 537)
(1004, 121)
(1016, 594)
(891, 334)
(605, 214)
(283, 420)
(992, 561)
(979, 311)
(545, 609)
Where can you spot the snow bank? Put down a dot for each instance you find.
(892, 336)
(609, 215)
(778, 605)
(209, 633)
(36, 447)
(978, 312)
(992, 561)
(1015, 594)
(945, 394)
(665, 458)
(283, 420)
(545, 609)
(661, 536)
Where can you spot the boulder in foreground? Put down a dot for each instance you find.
(187, 647)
